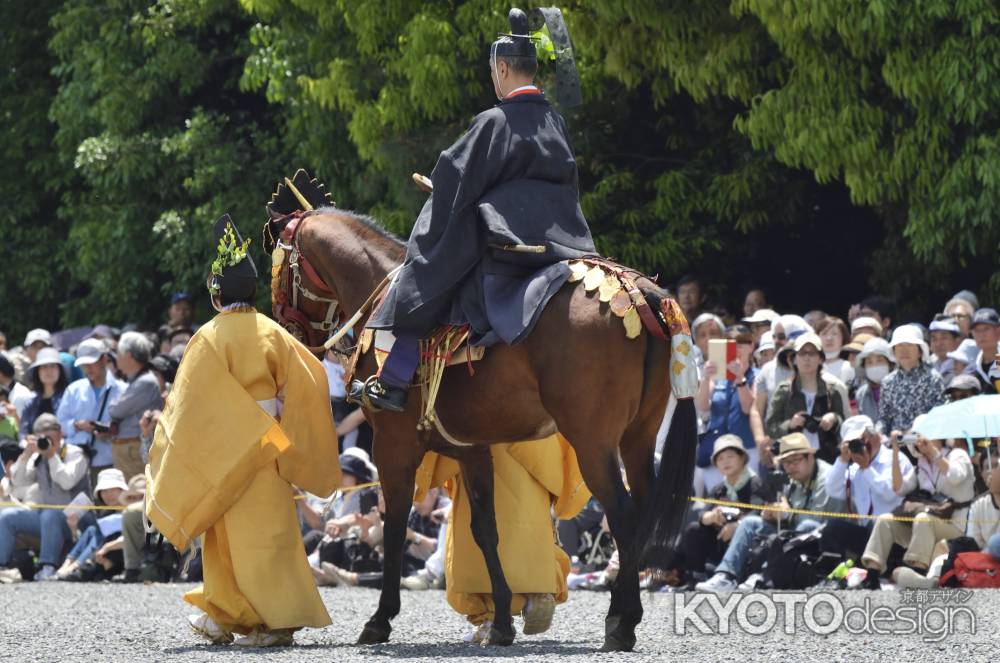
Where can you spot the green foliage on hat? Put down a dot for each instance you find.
(229, 253)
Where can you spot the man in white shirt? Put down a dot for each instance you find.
(60, 470)
(20, 395)
(862, 477)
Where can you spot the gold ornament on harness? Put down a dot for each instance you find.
(593, 279)
(577, 271)
(633, 323)
(609, 286)
(621, 303)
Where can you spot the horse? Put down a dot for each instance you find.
(575, 373)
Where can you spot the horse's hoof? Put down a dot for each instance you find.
(615, 641)
(374, 634)
(498, 638)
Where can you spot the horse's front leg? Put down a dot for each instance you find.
(397, 490)
(477, 473)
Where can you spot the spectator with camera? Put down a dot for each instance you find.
(862, 476)
(79, 564)
(805, 491)
(939, 506)
(728, 403)
(85, 409)
(706, 539)
(872, 365)
(48, 379)
(914, 387)
(60, 471)
(142, 394)
(812, 402)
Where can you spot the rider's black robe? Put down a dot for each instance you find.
(511, 179)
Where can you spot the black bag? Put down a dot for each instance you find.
(936, 505)
(361, 557)
(795, 561)
(160, 561)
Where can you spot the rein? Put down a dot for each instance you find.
(349, 325)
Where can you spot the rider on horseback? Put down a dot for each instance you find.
(487, 247)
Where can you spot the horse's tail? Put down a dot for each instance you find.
(663, 514)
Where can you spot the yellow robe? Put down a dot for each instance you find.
(530, 480)
(222, 468)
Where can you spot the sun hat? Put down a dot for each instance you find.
(910, 334)
(966, 352)
(854, 427)
(36, 335)
(792, 444)
(766, 343)
(866, 321)
(761, 315)
(809, 338)
(875, 346)
(727, 441)
(110, 478)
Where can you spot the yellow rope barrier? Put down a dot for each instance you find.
(96, 507)
(821, 514)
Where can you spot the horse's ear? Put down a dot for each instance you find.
(284, 200)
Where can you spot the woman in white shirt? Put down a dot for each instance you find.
(834, 334)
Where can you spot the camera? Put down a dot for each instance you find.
(909, 438)
(812, 424)
(857, 446)
(43, 443)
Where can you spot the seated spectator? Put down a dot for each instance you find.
(806, 491)
(865, 325)
(961, 311)
(760, 323)
(87, 402)
(9, 422)
(423, 539)
(755, 300)
(942, 473)
(984, 515)
(862, 477)
(19, 395)
(873, 364)
(833, 332)
(142, 394)
(964, 358)
(813, 402)
(48, 379)
(728, 403)
(705, 540)
(986, 333)
(108, 490)
(10, 451)
(945, 338)
(914, 387)
(60, 472)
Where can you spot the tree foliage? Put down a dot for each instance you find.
(730, 135)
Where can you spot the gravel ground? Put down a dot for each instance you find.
(70, 622)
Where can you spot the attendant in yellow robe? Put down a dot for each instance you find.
(248, 418)
(532, 482)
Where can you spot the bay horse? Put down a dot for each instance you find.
(576, 373)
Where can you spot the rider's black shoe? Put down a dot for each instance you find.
(378, 396)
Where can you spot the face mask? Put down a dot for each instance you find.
(832, 355)
(877, 373)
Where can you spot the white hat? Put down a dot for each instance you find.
(761, 315)
(966, 352)
(89, 352)
(874, 346)
(793, 325)
(46, 356)
(809, 338)
(854, 427)
(866, 321)
(36, 335)
(358, 452)
(910, 334)
(946, 325)
(110, 478)
(766, 343)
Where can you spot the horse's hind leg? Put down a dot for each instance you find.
(397, 489)
(604, 479)
(477, 473)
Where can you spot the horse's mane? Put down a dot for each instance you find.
(365, 220)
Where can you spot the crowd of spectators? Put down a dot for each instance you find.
(811, 413)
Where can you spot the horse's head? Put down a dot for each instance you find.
(290, 200)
